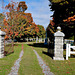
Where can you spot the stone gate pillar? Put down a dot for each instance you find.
(58, 46)
(2, 34)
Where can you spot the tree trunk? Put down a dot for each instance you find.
(74, 34)
(74, 38)
(12, 45)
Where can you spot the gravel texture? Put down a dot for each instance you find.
(15, 68)
(45, 68)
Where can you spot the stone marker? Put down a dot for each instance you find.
(58, 46)
(2, 34)
(39, 40)
(44, 39)
(36, 39)
(27, 39)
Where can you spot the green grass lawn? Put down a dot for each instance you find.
(29, 64)
(8, 49)
(66, 67)
(8, 61)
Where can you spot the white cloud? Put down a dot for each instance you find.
(40, 12)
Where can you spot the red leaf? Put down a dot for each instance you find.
(67, 72)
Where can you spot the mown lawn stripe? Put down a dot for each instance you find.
(8, 61)
(29, 64)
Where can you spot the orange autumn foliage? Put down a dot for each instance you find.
(69, 19)
(16, 34)
(18, 23)
(6, 37)
(52, 23)
(29, 17)
(22, 5)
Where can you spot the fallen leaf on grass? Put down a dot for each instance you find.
(67, 72)
(57, 67)
(66, 62)
(69, 64)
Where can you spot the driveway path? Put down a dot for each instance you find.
(45, 68)
(15, 68)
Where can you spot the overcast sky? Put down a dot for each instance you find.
(39, 8)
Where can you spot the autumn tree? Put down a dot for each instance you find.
(2, 16)
(22, 6)
(50, 30)
(42, 31)
(35, 29)
(32, 30)
(18, 23)
(71, 24)
(9, 20)
(62, 10)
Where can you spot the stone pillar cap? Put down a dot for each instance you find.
(59, 33)
(59, 28)
(1, 32)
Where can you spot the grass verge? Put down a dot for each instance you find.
(29, 64)
(8, 61)
(66, 67)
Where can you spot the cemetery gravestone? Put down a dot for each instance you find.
(36, 39)
(27, 39)
(48, 39)
(39, 40)
(58, 46)
(44, 39)
(2, 34)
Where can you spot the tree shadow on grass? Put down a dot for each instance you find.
(64, 57)
(41, 45)
(6, 53)
(9, 49)
(48, 54)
